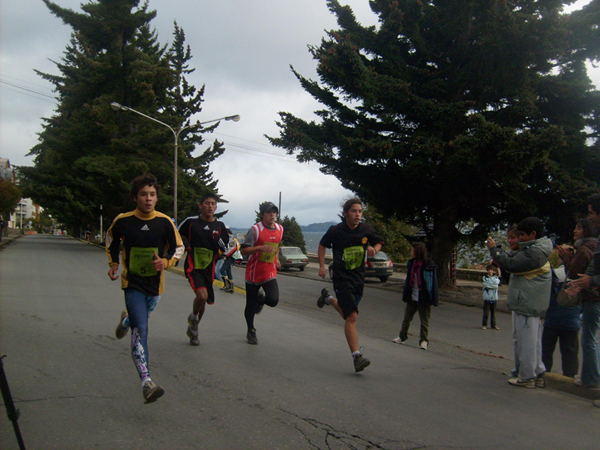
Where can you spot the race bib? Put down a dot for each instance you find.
(140, 261)
(269, 257)
(202, 257)
(354, 257)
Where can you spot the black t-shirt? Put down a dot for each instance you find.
(203, 240)
(349, 247)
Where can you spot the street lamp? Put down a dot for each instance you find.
(118, 107)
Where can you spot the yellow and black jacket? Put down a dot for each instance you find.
(142, 235)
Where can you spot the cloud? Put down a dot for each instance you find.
(242, 51)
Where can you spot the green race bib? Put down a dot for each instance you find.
(269, 257)
(354, 257)
(140, 261)
(202, 257)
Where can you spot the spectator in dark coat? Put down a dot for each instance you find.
(420, 292)
(563, 323)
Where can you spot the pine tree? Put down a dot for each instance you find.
(395, 234)
(292, 234)
(258, 218)
(452, 111)
(186, 100)
(87, 153)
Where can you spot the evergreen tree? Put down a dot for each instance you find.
(87, 153)
(395, 234)
(9, 197)
(292, 234)
(258, 218)
(195, 180)
(454, 111)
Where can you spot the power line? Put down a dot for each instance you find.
(27, 82)
(253, 152)
(248, 150)
(247, 140)
(270, 154)
(29, 95)
(21, 88)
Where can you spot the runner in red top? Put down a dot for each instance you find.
(261, 246)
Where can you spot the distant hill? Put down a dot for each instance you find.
(324, 226)
(235, 231)
(313, 227)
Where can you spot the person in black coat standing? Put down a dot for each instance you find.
(420, 293)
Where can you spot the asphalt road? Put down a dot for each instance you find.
(76, 386)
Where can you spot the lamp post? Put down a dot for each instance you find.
(118, 107)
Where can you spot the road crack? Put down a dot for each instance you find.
(320, 435)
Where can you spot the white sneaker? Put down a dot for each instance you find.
(529, 384)
(423, 345)
(398, 341)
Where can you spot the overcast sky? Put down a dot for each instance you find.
(241, 50)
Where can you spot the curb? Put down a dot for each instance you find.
(567, 384)
(7, 240)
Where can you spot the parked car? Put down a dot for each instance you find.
(378, 266)
(292, 257)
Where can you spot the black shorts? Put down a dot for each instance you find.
(347, 295)
(203, 279)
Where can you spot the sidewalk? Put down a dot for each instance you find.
(6, 240)
(468, 293)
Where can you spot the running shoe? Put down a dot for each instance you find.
(423, 345)
(192, 330)
(321, 300)
(230, 289)
(360, 363)
(529, 384)
(122, 330)
(151, 392)
(225, 284)
(251, 337)
(540, 382)
(398, 340)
